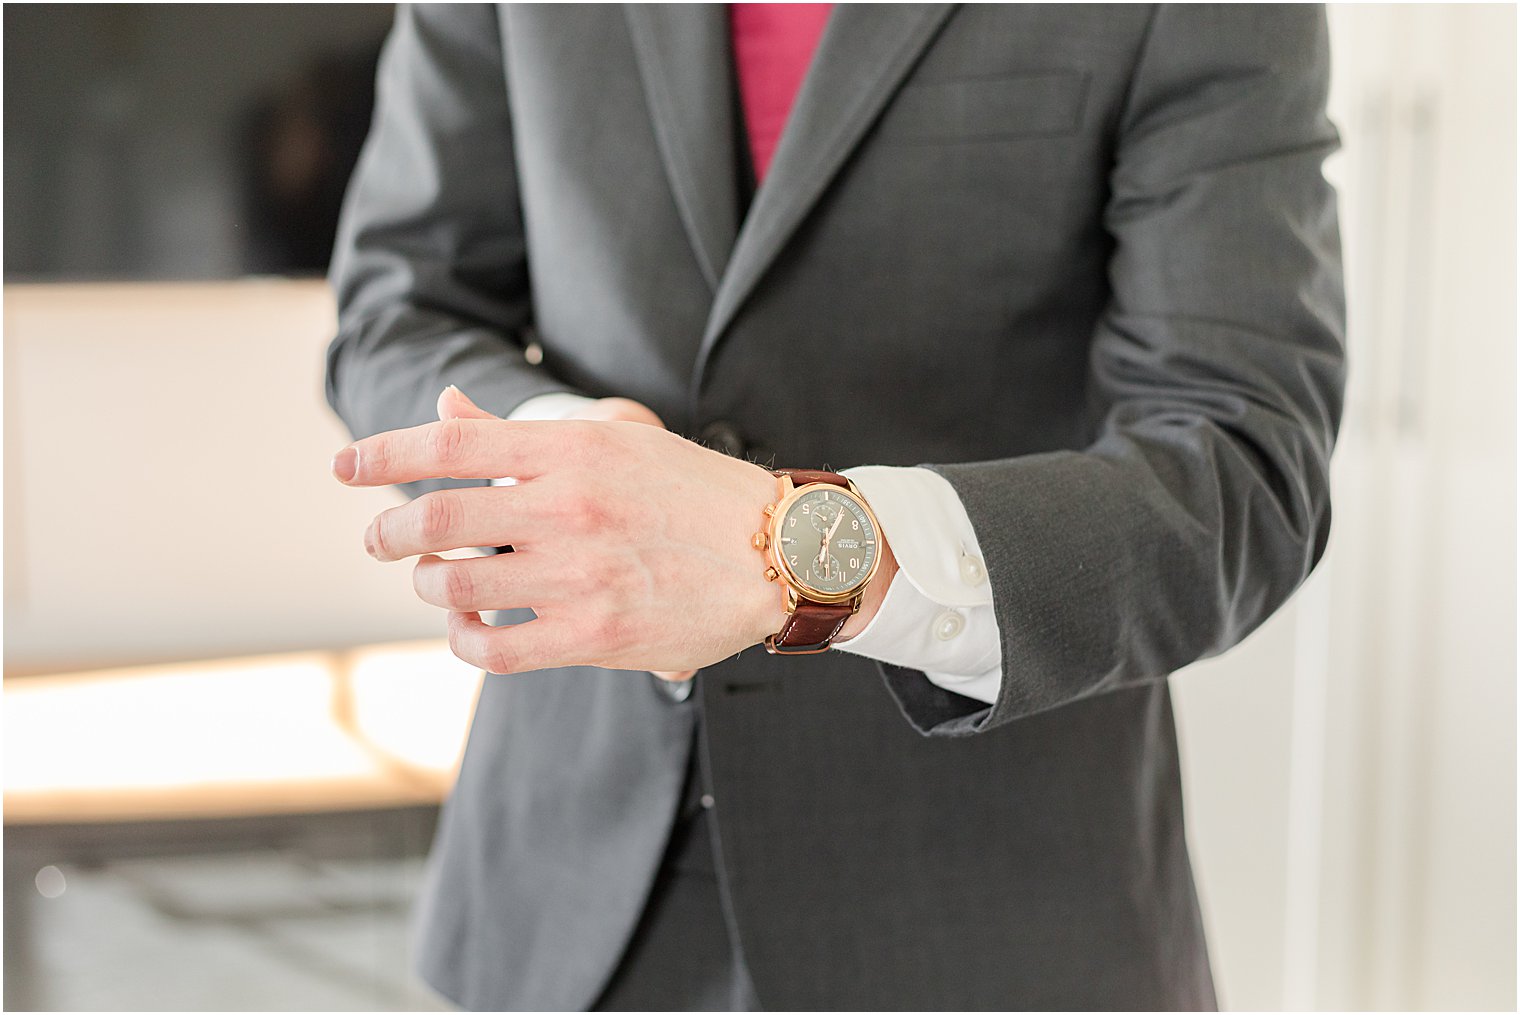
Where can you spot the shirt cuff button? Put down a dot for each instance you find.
(948, 625)
(972, 572)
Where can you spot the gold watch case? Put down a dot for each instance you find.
(780, 570)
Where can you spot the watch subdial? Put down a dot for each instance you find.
(828, 571)
(824, 516)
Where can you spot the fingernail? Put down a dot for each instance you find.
(369, 541)
(345, 464)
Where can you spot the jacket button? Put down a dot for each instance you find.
(723, 436)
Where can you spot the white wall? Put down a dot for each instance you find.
(1351, 768)
(167, 493)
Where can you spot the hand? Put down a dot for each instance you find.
(453, 404)
(601, 554)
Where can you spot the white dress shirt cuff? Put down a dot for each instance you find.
(554, 405)
(937, 615)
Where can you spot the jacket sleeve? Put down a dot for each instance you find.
(1217, 372)
(430, 268)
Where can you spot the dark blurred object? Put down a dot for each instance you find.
(301, 146)
(181, 141)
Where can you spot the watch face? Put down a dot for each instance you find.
(827, 541)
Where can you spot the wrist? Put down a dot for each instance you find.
(767, 599)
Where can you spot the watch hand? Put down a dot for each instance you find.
(833, 528)
(828, 564)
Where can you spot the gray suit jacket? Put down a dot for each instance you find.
(1079, 260)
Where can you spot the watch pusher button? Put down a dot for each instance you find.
(771, 574)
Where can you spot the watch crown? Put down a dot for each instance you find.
(760, 540)
(770, 510)
(771, 574)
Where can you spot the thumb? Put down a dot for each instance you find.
(455, 404)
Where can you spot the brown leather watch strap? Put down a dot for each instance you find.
(810, 629)
(802, 477)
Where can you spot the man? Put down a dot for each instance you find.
(1059, 285)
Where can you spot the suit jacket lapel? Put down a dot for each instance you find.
(864, 53)
(683, 58)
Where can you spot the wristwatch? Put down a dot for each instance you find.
(822, 543)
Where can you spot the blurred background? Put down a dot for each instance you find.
(227, 730)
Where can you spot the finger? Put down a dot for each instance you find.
(457, 449)
(474, 584)
(455, 404)
(455, 520)
(536, 645)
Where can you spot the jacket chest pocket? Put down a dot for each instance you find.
(1046, 103)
